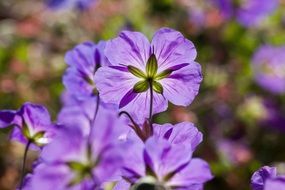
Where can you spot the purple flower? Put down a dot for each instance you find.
(83, 62)
(31, 123)
(266, 178)
(69, 4)
(253, 12)
(88, 159)
(268, 67)
(47, 177)
(160, 163)
(165, 67)
(184, 133)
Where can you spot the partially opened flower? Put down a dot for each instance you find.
(269, 68)
(266, 178)
(184, 133)
(159, 164)
(143, 76)
(31, 124)
(83, 62)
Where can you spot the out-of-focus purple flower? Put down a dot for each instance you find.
(269, 69)
(80, 112)
(49, 177)
(274, 117)
(234, 152)
(160, 163)
(266, 178)
(83, 159)
(253, 12)
(69, 4)
(31, 123)
(83, 62)
(225, 6)
(166, 65)
(76, 113)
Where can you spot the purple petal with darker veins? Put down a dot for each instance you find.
(127, 98)
(148, 162)
(259, 178)
(168, 133)
(120, 68)
(177, 67)
(132, 175)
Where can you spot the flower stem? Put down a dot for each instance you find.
(96, 109)
(92, 121)
(24, 163)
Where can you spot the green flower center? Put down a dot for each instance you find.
(149, 78)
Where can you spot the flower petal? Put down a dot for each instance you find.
(139, 106)
(113, 84)
(130, 48)
(260, 176)
(165, 158)
(6, 118)
(82, 57)
(182, 133)
(171, 48)
(78, 84)
(197, 172)
(36, 117)
(181, 87)
(275, 184)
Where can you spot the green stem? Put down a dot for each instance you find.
(151, 104)
(96, 109)
(24, 163)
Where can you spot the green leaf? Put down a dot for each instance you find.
(157, 87)
(137, 72)
(141, 86)
(163, 74)
(151, 66)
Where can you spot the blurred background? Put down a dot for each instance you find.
(241, 46)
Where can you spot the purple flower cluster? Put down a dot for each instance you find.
(266, 178)
(105, 133)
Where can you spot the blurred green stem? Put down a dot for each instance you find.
(24, 163)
